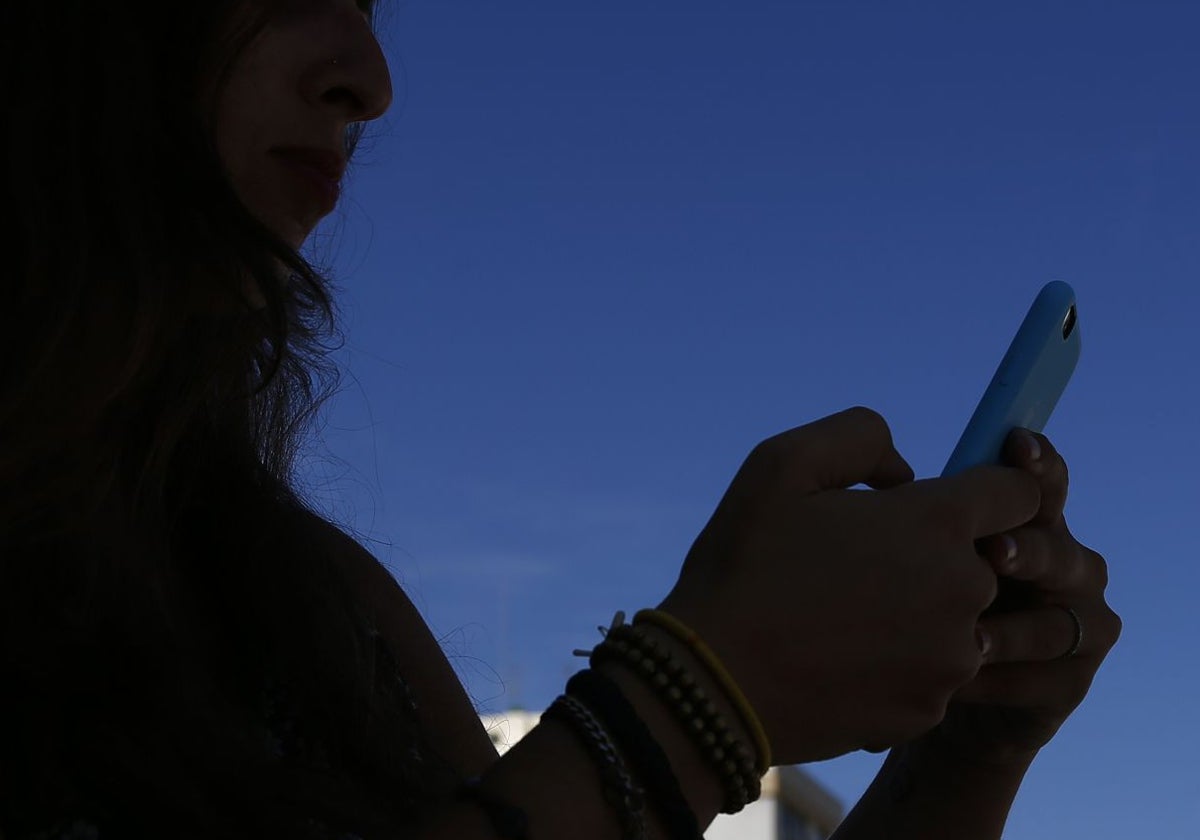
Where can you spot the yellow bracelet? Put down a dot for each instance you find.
(688, 636)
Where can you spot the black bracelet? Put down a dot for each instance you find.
(707, 727)
(620, 791)
(638, 745)
(508, 821)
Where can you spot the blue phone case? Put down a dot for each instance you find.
(1029, 381)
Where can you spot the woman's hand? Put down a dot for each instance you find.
(1048, 631)
(848, 617)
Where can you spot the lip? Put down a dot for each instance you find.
(318, 170)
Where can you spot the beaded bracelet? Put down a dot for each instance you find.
(646, 758)
(705, 725)
(625, 797)
(689, 637)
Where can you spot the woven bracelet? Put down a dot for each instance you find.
(637, 744)
(706, 726)
(620, 791)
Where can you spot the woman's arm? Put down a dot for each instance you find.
(784, 584)
(551, 777)
(549, 774)
(922, 793)
(446, 710)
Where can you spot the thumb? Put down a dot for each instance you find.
(844, 449)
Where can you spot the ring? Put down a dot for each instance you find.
(1078, 640)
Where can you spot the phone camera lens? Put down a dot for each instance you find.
(1069, 323)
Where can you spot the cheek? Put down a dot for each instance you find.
(241, 123)
(236, 139)
(242, 143)
(254, 114)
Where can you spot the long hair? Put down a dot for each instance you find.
(157, 564)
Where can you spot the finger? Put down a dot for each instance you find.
(1034, 453)
(844, 449)
(1023, 449)
(1050, 559)
(987, 500)
(1000, 551)
(1039, 634)
(1032, 685)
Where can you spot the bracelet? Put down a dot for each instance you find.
(705, 725)
(650, 764)
(507, 820)
(625, 797)
(686, 635)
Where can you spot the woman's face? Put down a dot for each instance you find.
(312, 70)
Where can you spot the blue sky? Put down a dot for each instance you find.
(598, 250)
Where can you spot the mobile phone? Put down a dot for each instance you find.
(1029, 382)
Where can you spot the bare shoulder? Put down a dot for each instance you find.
(445, 707)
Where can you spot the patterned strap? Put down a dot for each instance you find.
(649, 763)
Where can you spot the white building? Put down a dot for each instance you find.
(793, 805)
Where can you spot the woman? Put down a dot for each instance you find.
(189, 651)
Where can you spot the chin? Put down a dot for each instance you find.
(291, 230)
(294, 234)
(300, 234)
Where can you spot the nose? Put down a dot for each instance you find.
(350, 73)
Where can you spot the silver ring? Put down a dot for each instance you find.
(1078, 640)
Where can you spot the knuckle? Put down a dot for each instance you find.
(786, 447)
(767, 450)
(1096, 565)
(1078, 684)
(870, 422)
(1074, 571)
(868, 417)
(1114, 625)
(765, 461)
(1093, 568)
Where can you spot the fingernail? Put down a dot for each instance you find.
(1009, 564)
(1033, 449)
(984, 641)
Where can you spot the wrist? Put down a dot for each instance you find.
(933, 760)
(700, 784)
(945, 747)
(690, 705)
(925, 792)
